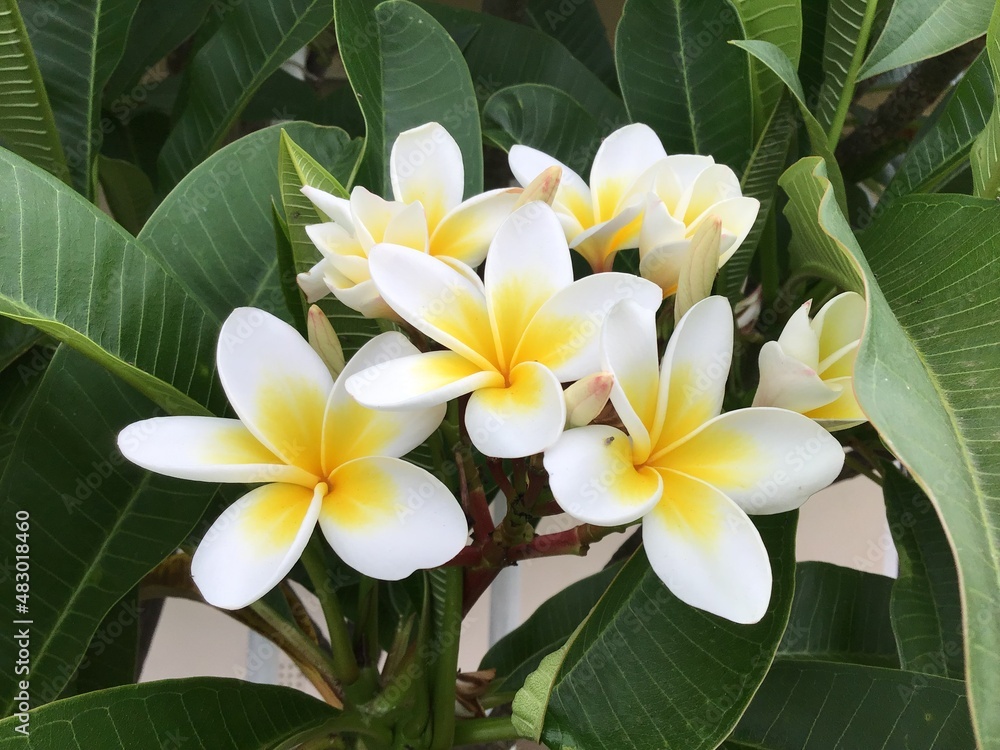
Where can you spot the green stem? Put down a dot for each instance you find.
(299, 640)
(446, 668)
(474, 731)
(344, 663)
(328, 734)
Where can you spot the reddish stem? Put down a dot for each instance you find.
(575, 541)
(469, 556)
(473, 497)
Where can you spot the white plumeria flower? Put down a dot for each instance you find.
(324, 458)
(689, 472)
(510, 341)
(428, 214)
(683, 192)
(810, 368)
(604, 217)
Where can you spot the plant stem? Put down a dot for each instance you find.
(471, 731)
(326, 735)
(575, 541)
(473, 495)
(344, 664)
(447, 634)
(304, 649)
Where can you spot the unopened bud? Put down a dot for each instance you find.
(323, 339)
(542, 188)
(699, 267)
(587, 397)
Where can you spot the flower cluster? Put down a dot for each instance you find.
(324, 439)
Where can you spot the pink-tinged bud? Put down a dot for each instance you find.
(700, 266)
(587, 397)
(542, 188)
(323, 339)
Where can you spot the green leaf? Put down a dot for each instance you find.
(207, 712)
(406, 71)
(69, 270)
(920, 29)
(810, 68)
(849, 24)
(925, 377)
(500, 53)
(27, 125)
(680, 76)
(986, 148)
(15, 339)
(110, 659)
(579, 28)
(777, 61)
(253, 39)
(78, 44)
(545, 118)
(840, 614)
(780, 23)
(945, 146)
(626, 678)
(926, 607)
(760, 181)
(824, 706)
(519, 653)
(18, 384)
(294, 300)
(128, 191)
(98, 524)
(156, 31)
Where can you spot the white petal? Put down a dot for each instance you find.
(564, 335)
(593, 478)
(713, 185)
(387, 518)
(467, 230)
(662, 265)
(371, 214)
(253, 545)
(600, 243)
(842, 413)
(354, 431)
(426, 165)
(335, 209)
(333, 240)
(573, 196)
(694, 371)
(276, 383)
(788, 384)
(520, 419)
(435, 299)
(408, 228)
(707, 552)
(623, 157)
(419, 381)
(839, 323)
(313, 282)
(628, 351)
(737, 216)
(205, 449)
(659, 228)
(798, 339)
(528, 263)
(766, 460)
(364, 298)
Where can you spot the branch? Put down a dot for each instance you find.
(575, 541)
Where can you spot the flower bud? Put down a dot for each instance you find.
(323, 339)
(542, 188)
(587, 397)
(699, 267)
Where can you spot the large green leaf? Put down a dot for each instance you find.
(684, 81)
(986, 149)
(110, 658)
(200, 712)
(849, 23)
(926, 605)
(919, 29)
(128, 191)
(579, 28)
(823, 706)
(253, 39)
(645, 670)
(98, 524)
(500, 53)
(519, 653)
(27, 125)
(406, 71)
(780, 23)
(78, 44)
(18, 384)
(15, 339)
(840, 614)
(545, 118)
(945, 146)
(926, 378)
(69, 270)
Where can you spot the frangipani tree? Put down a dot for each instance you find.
(274, 336)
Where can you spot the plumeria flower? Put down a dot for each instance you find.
(604, 217)
(509, 340)
(320, 457)
(428, 214)
(810, 368)
(689, 472)
(683, 191)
